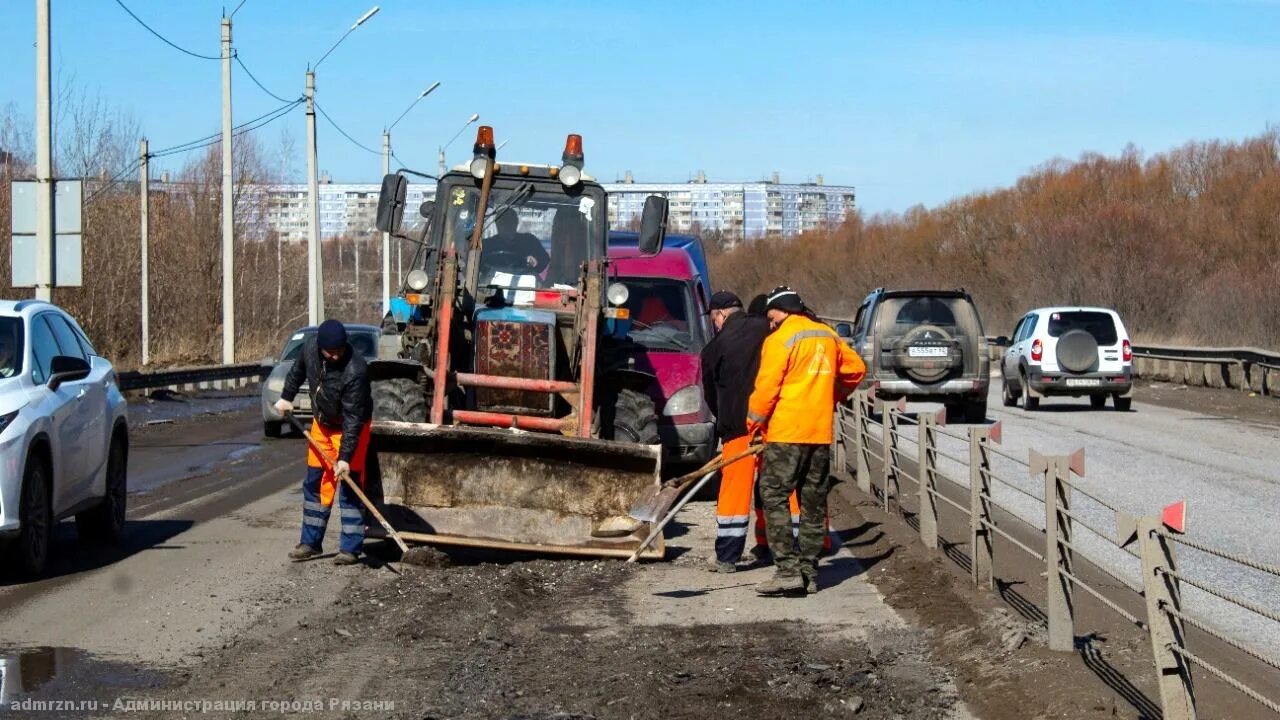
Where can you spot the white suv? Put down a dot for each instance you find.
(63, 433)
(1073, 351)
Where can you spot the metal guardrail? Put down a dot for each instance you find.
(860, 439)
(194, 378)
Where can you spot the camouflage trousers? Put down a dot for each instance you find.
(804, 468)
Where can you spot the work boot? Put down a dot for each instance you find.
(810, 585)
(345, 558)
(303, 552)
(781, 585)
(716, 566)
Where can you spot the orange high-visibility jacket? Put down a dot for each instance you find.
(804, 370)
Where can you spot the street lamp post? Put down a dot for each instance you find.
(315, 290)
(386, 170)
(472, 119)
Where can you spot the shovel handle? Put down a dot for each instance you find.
(328, 462)
(712, 466)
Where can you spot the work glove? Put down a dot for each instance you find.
(342, 469)
(284, 407)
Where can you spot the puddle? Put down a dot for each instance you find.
(66, 672)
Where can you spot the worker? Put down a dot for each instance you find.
(338, 379)
(805, 369)
(729, 364)
(511, 248)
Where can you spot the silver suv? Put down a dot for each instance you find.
(1069, 351)
(924, 345)
(64, 435)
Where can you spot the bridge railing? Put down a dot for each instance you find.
(910, 464)
(208, 377)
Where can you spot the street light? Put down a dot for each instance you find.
(470, 120)
(386, 237)
(315, 291)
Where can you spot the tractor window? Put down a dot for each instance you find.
(661, 315)
(533, 238)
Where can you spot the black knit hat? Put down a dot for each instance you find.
(758, 306)
(724, 300)
(331, 335)
(785, 299)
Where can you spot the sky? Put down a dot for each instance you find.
(911, 102)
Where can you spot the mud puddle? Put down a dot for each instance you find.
(67, 674)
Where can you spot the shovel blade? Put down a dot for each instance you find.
(655, 504)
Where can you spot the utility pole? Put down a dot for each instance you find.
(44, 157)
(315, 292)
(440, 159)
(228, 214)
(145, 213)
(386, 237)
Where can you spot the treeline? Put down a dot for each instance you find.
(1185, 244)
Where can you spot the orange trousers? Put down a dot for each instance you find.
(734, 505)
(330, 440)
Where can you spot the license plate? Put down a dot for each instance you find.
(927, 351)
(1083, 382)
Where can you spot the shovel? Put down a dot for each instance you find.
(328, 463)
(658, 500)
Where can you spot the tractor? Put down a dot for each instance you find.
(509, 410)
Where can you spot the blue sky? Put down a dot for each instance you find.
(913, 102)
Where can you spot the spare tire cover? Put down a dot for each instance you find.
(926, 370)
(1077, 351)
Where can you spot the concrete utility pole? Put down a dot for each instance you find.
(386, 237)
(145, 213)
(44, 157)
(228, 214)
(315, 292)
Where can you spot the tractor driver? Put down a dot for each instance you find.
(510, 249)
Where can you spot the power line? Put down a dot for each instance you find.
(261, 87)
(344, 134)
(213, 139)
(164, 39)
(115, 179)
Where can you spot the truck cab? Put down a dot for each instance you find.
(666, 319)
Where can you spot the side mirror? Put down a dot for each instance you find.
(426, 207)
(67, 368)
(844, 330)
(653, 225)
(391, 203)
(1001, 340)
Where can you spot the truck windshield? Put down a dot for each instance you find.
(533, 238)
(661, 318)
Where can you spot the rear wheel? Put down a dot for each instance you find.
(399, 399)
(1097, 402)
(1029, 402)
(36, 517)
(105, 523)
(1123, 404)
(975, 410)
(634, 419)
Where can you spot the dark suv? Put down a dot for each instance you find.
(924, 345)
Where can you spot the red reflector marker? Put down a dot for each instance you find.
(1174, 517)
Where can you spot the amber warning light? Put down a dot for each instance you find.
(571, 173)
(484, 140)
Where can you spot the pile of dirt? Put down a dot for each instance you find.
(499, 641)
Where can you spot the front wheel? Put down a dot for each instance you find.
(399, 399)
(634, 418)
(104, 524)
(1007, 395)
(36, 517)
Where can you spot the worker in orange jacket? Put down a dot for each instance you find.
(805, 369)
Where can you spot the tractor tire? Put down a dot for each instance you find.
(399, 399)
(634, 419)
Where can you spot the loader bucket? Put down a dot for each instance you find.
(510, 489)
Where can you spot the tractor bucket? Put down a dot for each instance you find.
(511, 489)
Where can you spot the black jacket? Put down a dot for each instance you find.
(340, 394)
(729, 365)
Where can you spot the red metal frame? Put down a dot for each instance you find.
(524, 422)
(498, 382)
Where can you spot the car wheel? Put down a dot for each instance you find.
(104, 524)
(1123, 404)
(271, 428)
(1029, 402)
(36, 517)
(1010, 398)
(1097, 402)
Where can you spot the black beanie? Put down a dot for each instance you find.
(331, 336)
(758, 306)
(785, 299)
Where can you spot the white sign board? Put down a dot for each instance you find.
(68, 201)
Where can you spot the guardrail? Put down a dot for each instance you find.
(209, 377)
(873, 453)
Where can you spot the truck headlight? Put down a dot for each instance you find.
(417, 279)
(618, 294)
(684, 401)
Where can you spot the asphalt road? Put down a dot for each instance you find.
(1227, 470)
